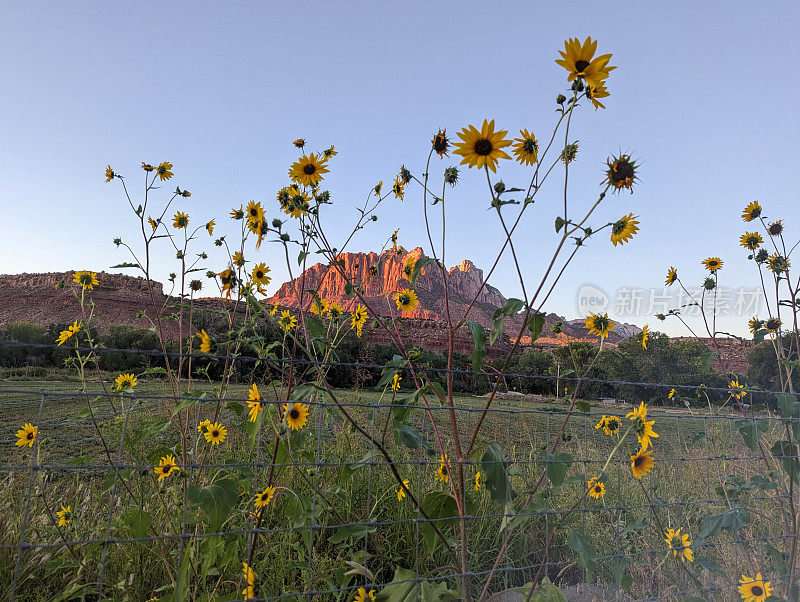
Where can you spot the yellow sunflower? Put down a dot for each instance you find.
(750, 240)
(778, 263)
(363, 595)
(611, 426)
(27, 435)
(754, 590)
(772, 325)
(621, 173)
(478, 479)
(672, 276)
(237, 213)
(671, 393)
(596, 488)
(260, 274)
(215, 433)
(736, 390)
(287, 321)
(308, 170)
(228, 280)
(250, 581)
(147, 167)
(396, 382)
(406, 300)
(125, 381)
(644, 429)
(641, 463)
(205, 341)
(443, 473)
(180, 220)
(64, 516)
(254, 402)
(87, 280)
(164, 170)
(712, 264)
(624, 228)
(594, 93)
(153, 223)
(203, 426)
(482, 147)
(599, 325)
(294, 202)
(645, 336)
(398, 188)
(109, 174)
(526, 148)
(401, 492)
(752, 211)
(358, 319)
(754, 325)
(334, 310)
(210, 227)
(319, 307)
(579, 61)
(441, 143)
(67, 334)
(255, 213)
(265, 497)
(166, 467)
(679, 544)
(296, 415)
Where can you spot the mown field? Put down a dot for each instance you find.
(330, 478)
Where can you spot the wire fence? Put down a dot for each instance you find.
(339, 518)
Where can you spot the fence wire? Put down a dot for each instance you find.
(337, 523)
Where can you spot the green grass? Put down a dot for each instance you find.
(683, 483)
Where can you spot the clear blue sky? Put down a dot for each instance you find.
(705, 95)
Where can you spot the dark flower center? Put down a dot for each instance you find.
(623, 170)
(483, 147)
(638, 461)
(30, 435)
(309, 168)
(294, 414)
(530, 146)
(581, 65)
(259, 274)
(215, 434)
(757, 591)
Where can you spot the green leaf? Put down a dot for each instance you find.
(709, 564)
(155, 370)
(479, 339)
(216, 500)
(440, 507)
(557, 466)
(511, 308)
(582, 406)
(138, 522)
(751, 432)
(188, 400)
(420, 263)
(559, 223)
(348, 532)
(349, 290)
(407, 587)
(778, 559)
(534, 507)
(786, 453)
(582, 544)
(706, 357)
(495, 467)
(544, 592)
(301, 257)
(535, 325)
(619, 566)
(412, 438)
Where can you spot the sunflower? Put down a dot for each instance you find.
(755, 325)
(401, 493)
(215, 433)
(363, 595)
(569, 153)
(358, 319)
(593, 93)
(210, 227)
(294, 202)
(641, 463)
(772, 325)
(599, 325)
(378, 187)
(611, 426)
(579, 61)
(27, 435)
(752, 211)
(775, 228)
(778, 263)
(180, 220)
(645, 336)
(164, 170)
(679, 544)
(736, 390)
(203, 426)
(296, 415)
(396, 382)
(287, 321)
(644, 429)
(147, 167)
(64, 516)
(237, 213)
(334, 310)
(250, 579)
(406, 300)
(165, 467)
(255, 213)
(318, 306)
(712, 264)
(205, 341)
(443, 473)
(300, 142)
(596, 488)
(754, 590)
(265, 497)
(623, 229)
(602, 423)
(274, 309)
(671, 393)
(125, 381)
(441, 143)
(372, 271)
(672, 276)
(478, 478)
(260, 274)
(254, 402)
(398, 188)
(67, 334)
(482, 147)
(228, 280)
(526, 148)
(408, 267)
(621, 172)
(750, 240)
(87, 280)
(110, 175)
(330, 152)
(308, 170)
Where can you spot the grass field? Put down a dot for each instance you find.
(330, 477)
